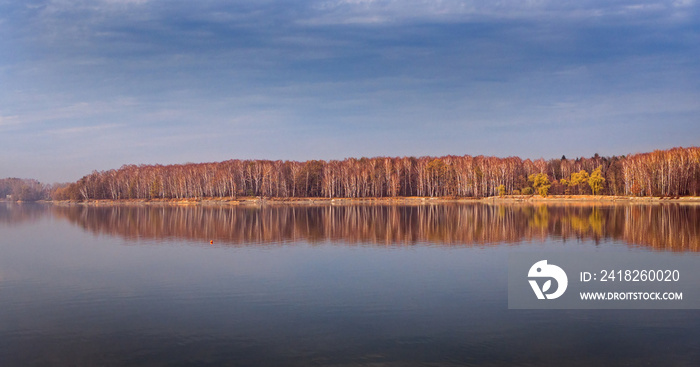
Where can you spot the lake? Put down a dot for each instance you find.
(353, 285)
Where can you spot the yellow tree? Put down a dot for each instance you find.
(578, 179)
(541, 183)
(501, 190)
(596, 181)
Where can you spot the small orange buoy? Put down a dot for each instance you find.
(211, 242)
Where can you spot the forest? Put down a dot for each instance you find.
(19, 189)
(672, 172)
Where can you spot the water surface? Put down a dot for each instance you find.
(328, 285)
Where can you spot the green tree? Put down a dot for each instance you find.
(541, 183)
(596, 181)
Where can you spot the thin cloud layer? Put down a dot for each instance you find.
(179, 81)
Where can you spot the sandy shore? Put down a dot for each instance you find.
(393, 200)
(596, 198)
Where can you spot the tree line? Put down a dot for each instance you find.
(23, 189)
(673, 172)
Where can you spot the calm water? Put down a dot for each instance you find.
(332, 286)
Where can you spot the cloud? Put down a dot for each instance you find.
(392, 11)
(158, 81)
(9, 121)
(58, 7)
(80, 130)
(45, 114)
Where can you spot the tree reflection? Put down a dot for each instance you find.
(12, 213)
(662, 227)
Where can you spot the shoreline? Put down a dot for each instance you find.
(508, 199)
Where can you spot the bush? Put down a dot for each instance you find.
(501, 190)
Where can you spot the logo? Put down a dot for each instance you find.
(543, 270)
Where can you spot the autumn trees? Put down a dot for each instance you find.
(22, 189)
(541, 183)
(673, 172)
(596, 181)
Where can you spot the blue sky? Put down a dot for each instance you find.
(92, 85)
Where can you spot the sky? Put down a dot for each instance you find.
(95, 84)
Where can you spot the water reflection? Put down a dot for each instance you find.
(70, 299)
(663, 227)
(13, 213)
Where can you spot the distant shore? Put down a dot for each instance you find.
(255, 201)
